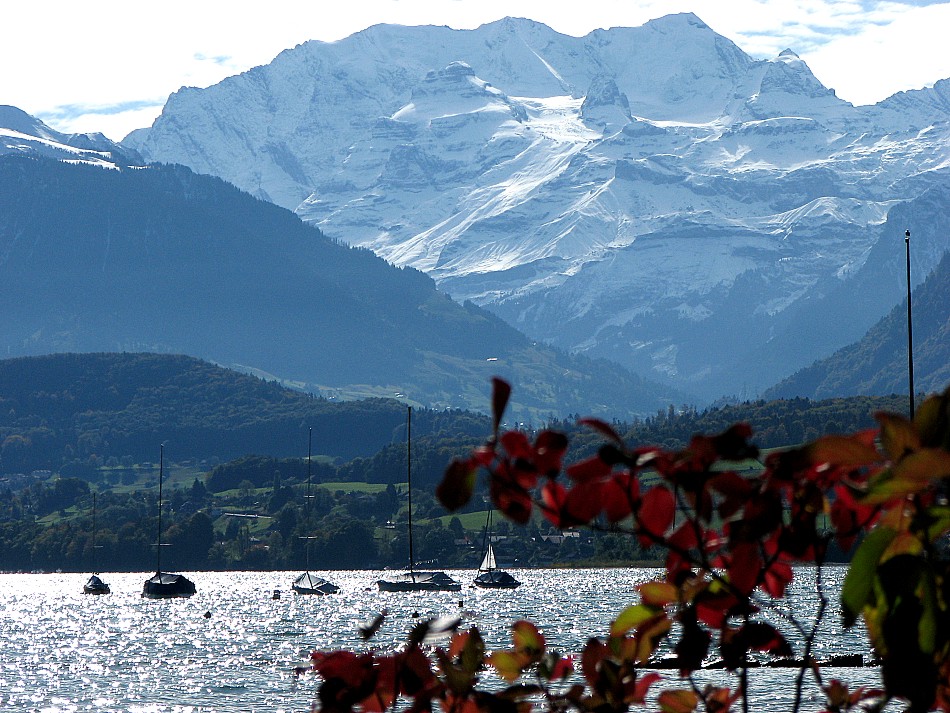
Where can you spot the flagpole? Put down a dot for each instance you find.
(910, 328)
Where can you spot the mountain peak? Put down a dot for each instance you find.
(22, 133)
(18, 120)
(678, 22)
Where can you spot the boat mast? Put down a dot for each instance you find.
(158, 542)
(409, 479)
(309, 536)
(94, 533)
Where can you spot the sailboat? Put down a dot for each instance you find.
(308, 583)
(164, 585)
(489, 576)
(412, 580)
(94, 585)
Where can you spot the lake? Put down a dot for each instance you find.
(61, 650)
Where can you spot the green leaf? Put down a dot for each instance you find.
(860, 578)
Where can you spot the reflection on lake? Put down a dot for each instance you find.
(61, 650)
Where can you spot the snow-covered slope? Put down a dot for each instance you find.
(21, 133)
(653, 194)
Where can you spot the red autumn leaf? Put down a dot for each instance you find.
(657, 509)
(685, 537)
(343, 665)
(730, 484)
(602, 427)
(500, 393)
(642, 686)
(513, 501)
(620, 496)
(582, 505)
(459, 642)
(777, 578)
(593, 468)
(457, 484)
(483, 455)
(553, 497)
(760, 636)
(649, 635)
(516, 445)
(733, 443)
(712, 613)
(563, 668)
(745, 567)
(549, 450)
(594, 652)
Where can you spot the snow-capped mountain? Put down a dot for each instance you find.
(23, 134)
(652, 195)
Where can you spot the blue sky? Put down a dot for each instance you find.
(109, 66)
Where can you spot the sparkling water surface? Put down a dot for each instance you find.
(232, 647)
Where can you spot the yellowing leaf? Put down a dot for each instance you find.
(849, 451)
(508, 664)
(527, 639)
(649, 636)
(925, 465)
(630, 618)
(898, 435)
(903, 544)
(658, 594)
(677, 701)
(931, 421)
(910, 475)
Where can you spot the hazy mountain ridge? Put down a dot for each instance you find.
(23, 134)
(162, 259)
(645, 194)
(877, 364)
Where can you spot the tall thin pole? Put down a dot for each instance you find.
(309, 461)
(158, 542)
(93, 533)
(409, 478)
(910, 328)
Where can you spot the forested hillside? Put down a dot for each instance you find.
(163, 260)
(83, 410)
(72, 426)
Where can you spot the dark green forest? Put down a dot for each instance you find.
(77, 426)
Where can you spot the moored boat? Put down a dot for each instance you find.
(411, 580)
(489, 576)
(164, 585)
(308, 583)
(95, 585)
